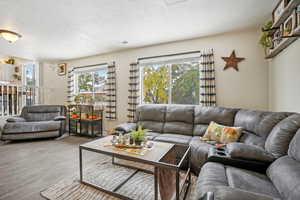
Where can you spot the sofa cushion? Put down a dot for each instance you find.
(199, 153)
(259, 123)
(251, 139)
(214, 175)
(199, 129)
(44, 109)
(280, 137)
(178, 128)
(248, 152)
(151, 112)
(29, 127)
(285, 175)
(174, 138)
(180, 113)
(250, 181)
(151, 135)
(294, 146)
(179, 119)
(152, 125)
(204, 115)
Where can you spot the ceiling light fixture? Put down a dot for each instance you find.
(10, 36)
(125, 42)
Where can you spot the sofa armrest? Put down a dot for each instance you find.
(248, 152)
(126, 127)
(60, 118)
(229, 193)
(16, 119)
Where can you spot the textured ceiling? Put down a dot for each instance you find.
(66, 29)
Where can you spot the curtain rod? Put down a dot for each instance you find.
(168, 55)
(90, 65)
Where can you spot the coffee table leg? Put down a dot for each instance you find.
(155, 183)
(80, 163)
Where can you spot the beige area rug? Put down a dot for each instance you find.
(107, 175)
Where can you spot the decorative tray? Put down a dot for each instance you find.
(124, 146)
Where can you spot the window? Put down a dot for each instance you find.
(171, 82)
(90, 83)
(29, 75)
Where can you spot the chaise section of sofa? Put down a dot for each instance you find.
(281, 180)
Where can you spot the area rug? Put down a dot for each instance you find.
(108, 176)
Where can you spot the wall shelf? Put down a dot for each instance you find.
(286, 13)
(284, 44)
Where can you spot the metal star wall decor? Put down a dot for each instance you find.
(232, 61)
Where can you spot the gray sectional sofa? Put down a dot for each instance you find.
(266, 138)
(38, 121)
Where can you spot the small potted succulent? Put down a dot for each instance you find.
(139, 135)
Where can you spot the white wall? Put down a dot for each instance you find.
(284, 73)
(247, 88)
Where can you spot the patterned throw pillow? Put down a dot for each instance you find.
(222, 134)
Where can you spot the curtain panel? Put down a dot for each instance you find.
(110, 96)
(207, 79)
(134, 86)
(71, 85)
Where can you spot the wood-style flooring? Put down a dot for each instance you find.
(26, 168)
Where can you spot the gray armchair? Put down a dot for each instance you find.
(38, 121)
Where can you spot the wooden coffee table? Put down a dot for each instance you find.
(158, 157)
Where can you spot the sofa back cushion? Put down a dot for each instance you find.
(179, 119)
(151, 112)
(151, 116)
(204, 115)
(285, 176)
(294, 146)
(42, 112)
(259, 123)
(280, 137)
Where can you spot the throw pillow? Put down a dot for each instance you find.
(222, 134)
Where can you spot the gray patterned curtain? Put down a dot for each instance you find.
(70, 84)
(133, 98)
(207, 79)
(111, 99)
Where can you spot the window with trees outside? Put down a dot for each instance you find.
(90, 84)
(172, 82)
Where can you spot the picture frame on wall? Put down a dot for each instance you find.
(279, 9)
(62, 69)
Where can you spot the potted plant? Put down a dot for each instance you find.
(266, 37)
(139, 135)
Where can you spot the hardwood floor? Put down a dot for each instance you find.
(26, 168)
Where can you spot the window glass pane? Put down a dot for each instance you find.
(156, 84)
(185, 83)
(29, 75)
(100, 81)
(85, 82)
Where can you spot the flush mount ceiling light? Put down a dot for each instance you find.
(10, 36)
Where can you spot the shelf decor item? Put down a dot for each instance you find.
(289, 25)
(278, 10)
(277, 36)
(266, 39)
(298, 16)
